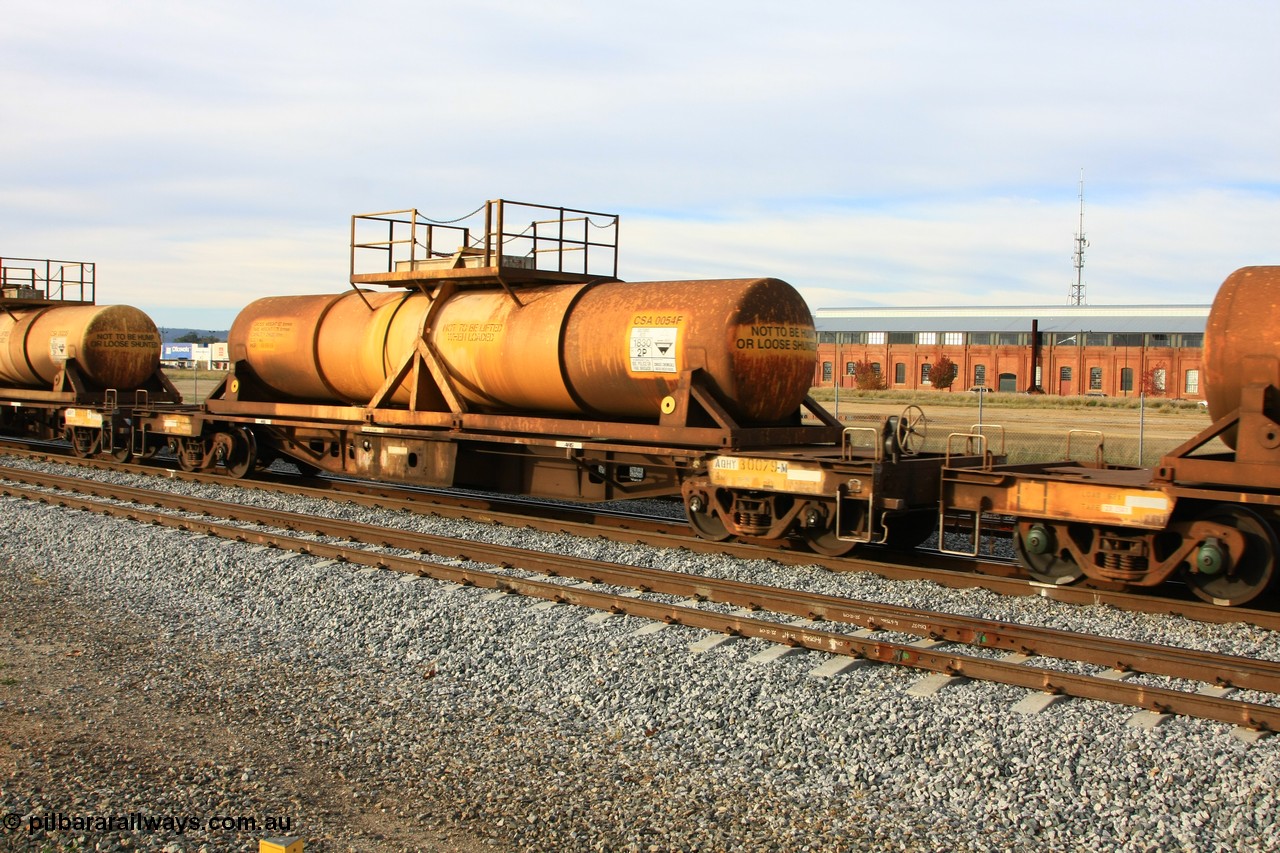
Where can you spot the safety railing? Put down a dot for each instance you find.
(46, 279)
(500, 234)
(1099, 445)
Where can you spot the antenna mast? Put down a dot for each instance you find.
(1077, 289)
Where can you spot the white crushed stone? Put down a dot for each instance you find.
(582, 734)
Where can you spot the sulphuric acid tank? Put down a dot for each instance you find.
(1244, 324)
(612, 349)
(114, 346)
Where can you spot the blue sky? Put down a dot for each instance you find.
(871, 153)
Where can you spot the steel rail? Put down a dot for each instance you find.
(1222, 669)
(945, 571)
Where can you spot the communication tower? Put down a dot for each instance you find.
(1076, 296)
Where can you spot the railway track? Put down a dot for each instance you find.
(971, 650)
(988, 573)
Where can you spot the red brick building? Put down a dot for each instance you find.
(1116, 350)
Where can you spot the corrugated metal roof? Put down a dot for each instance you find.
(1052, 318)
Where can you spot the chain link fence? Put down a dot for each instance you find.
(1127, 435)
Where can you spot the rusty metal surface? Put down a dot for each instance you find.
(611, 349)
(1242, 338)
(114, 346)
(1118, 497)
(626, 343)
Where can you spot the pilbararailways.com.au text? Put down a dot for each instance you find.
(141, 822)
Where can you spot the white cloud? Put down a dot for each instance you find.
(867, 152)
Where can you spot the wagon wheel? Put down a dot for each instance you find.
(265, 459)
(825, 541)
(182, 451)
(84, 441)
(122, 452)
(237, 450)
(911, 429)
(1037, 550)
(703, 519)
(1222, 577)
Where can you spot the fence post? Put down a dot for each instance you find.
(1142, 422)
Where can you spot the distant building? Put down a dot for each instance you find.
(1077, 349)
(207, 356)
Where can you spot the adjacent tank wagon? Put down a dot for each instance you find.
(1204, 516)
(70, 368)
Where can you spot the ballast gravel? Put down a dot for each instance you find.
(381, 712)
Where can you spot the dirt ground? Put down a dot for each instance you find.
(78, 736)
(1042, 431)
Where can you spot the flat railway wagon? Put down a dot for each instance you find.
(70, 368)
(1209, 518)
(512, 358)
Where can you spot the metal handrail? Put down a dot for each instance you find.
(975, 444)
(566, 233)
(980, 429)
(1099, 449)
(847, 446)
(48, 279)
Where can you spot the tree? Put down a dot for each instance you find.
(944, 373)
(867, 378)
(1154, 380)
(193, 338)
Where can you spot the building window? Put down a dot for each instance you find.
(1159, 341)
(979, 339)
(927, 339)
(1065, 374)
(1009, 339)
(1127, 340)
(826, 337)
(1038, 380)
(1064, 340)
(902, 337)
(953, 339)
(979, 374)
(1126, 378)
(925, 370)
(1097, 339)
(875, 338)
(850, 368)
(1193, 340)
(1158, 379)
(1095, 378)
(1192, 384)
(826, 371)
(900, 373)
(875, 368)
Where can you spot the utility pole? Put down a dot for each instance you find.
(1077, 289)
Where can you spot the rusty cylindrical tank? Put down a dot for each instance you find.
(600, 349)
(115, 346)
(1244, 322)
